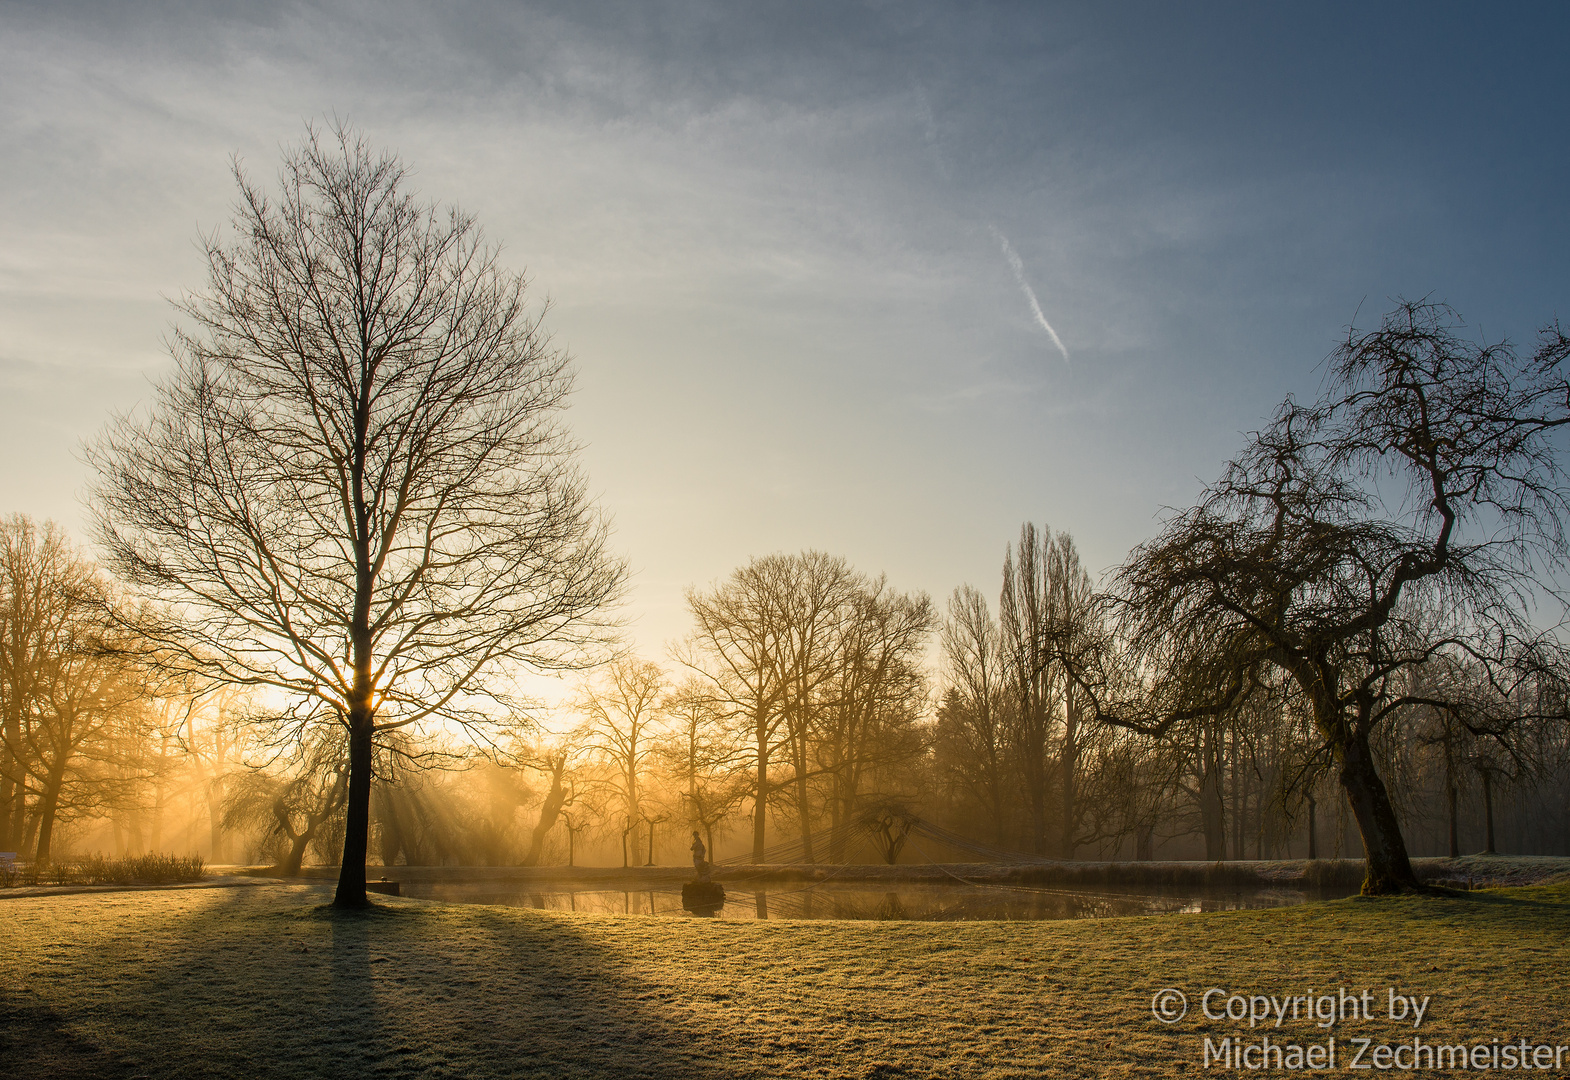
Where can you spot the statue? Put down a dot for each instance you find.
(699, 863)
(702, 897)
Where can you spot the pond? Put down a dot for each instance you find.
(924, 902)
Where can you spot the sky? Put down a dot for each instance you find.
(881, 279)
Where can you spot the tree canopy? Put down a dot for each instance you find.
(355, 486)
(1414, 513)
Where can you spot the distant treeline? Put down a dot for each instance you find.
(802, 691)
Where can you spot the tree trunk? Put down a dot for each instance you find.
(1389, 869)
(292, 861)
(1488, 811)
(803, 804)
(1450, 788)
(156, 842)
(1450, 807)
(357, 820)
(1068, 767)
(1234, 789)
(47, 806)
(836, 818)
(29, 831)
(1313, 827)
(550, 810)
(1239, 802)
(362, 694)
(1036, 791)
(12, 792)
(760, 799)
(299, 841)
(215, 790)
(133, 828)
(1212, 809)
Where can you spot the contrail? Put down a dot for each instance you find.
(1030, 294)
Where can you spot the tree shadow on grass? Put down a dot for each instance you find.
(592, 1007)
(1456, 901)
(397, 990)
(37, 1041)
(1485, 912)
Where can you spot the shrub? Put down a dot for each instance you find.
(99, 869)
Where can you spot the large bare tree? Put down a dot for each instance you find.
(1411, 516)
(355, 487)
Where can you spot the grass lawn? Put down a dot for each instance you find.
(266, 981)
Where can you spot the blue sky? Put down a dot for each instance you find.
(777, 237)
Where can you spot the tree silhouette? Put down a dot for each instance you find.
(1408, 516)
(355, 487)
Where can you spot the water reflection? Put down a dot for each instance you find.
(924, 902)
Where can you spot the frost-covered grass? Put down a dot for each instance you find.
(266, 981)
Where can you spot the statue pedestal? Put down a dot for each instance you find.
(703, 897)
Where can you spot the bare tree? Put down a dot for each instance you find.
(813, 593)
(211, 739)
(75, 697)
(355, 487)
(809, 658)
(705, 757)
(869, 718)
(1043, 613)
(42, 583)
(96, 717)
(735, 647)
(970, 729)
(554, 762)
(1414, 512)
(1071, 626)
(623, 726)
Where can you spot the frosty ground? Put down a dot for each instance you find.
(266, 980)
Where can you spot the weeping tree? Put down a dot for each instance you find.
(1410, 517)
(354, 487)
(291, 807)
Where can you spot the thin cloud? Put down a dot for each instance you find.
(1030, 294)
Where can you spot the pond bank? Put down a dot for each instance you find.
(1482, 871)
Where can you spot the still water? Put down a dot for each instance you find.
(925, 902)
